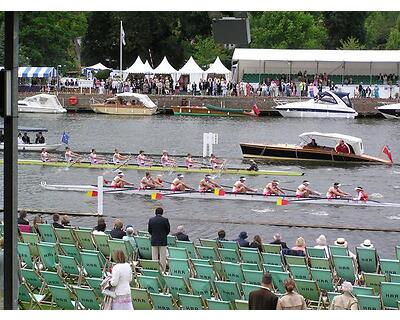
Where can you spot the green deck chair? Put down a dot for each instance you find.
(189, 246)
(141, 299)
(296, 260)
(48, 255)
(25, 254)
(272, 267)
(47, 233)
(366, 291)
(93, 264)
(250, 266)
(299, 272)
(62, 297)
(87, 298)
(253, 276)
(367, 259)
(201, 287)
(191, 302)
(338, 251)
(247, 288)
(171, 240)
(233, 272)
(178, 253)
(250, 256)
(228, 291)
(124, 246)
(144, 247)
(369, 302)
(320, 263)
(33, 279)
(163, 302)
(70, 268)
(272, 259)
(271, 248)
(209, 243)
(101, 241)
(344, 267)
(278, 278)
(229, 255)
(176, 285)
(95, 284)
(310, 291)
(233, 245)
(390, 267)
(52, 279)
(85, 239)
(154, 273)
(27, 297)
(152, 284)
(71, 250)
(373, 280)
(395, 278)
(32, 239)
(65, 235)
(179, 267)
(323, 278)
(208, 253)
(150, 264)
(201, 261)
(205, 272)
(390, 293)
(218, 305)
(241, 305)
(315, 252)
(1, 229)
(143, 234)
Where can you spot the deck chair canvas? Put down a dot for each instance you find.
(201, 287)
(253, 276)
(178, 253)
(233, 272)
(65, 235)
(48, 255)
(87, 298)
(207, 253)
(72, 251)
(247, 288)
(228, 291)
(278, 278)
(367, 259)
(320, 263)
(272, 259)
(229, 255)
(85, 239)
(241, 305)
(62, 297)
(163, 302)
(344, 267)
(250, 256)
(315, 252)
(390, 294)
(209, 243)
(271, 248)
(151, 284)
(367, 302)
(32, 239)
(218, 305)
(324, 279)
(191, 302)
(374, 280)
(390, 267)
(27, 299)
(189, 246)
(299, 272)
(141, 299)
(93, 265)
(176, 285)
(101, 241)
(33, 279)
(25, 255)
(310, 291)
(47, 233)
(205, 272)
(179, 267)
(144, 247)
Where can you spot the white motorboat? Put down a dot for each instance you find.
(390, 111)
(41, 103)
(327, 104)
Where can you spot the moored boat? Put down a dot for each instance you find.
(41, 103)
(390, 111)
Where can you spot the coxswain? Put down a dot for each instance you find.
(334, 192)
(117, 157)
(361, 194)
(207, 184)
(216, 163)
(240, 186)
(342, 147)
(166, 161)
(189, 162)
(44, 155)
(71, 156)
(272, 189)
(119, 181)
(142, 159)
(304, 190)
(179, 185)
(94, 159)
(148, 182)
(253, 166)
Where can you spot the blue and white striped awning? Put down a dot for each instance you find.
(36, 72)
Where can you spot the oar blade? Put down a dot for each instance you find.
(156, 196)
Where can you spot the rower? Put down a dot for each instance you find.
(240, 187)
(207, 184)
(216, 163)
(44, 155)
(361, 194)
(117, 157)
(71, 156)
(119, 181)
(142, 159)
(189, 162)
(94, 159)
(304, 191)
(39, 138)
(253, 166)
(159, 181)
(272, 189)
(166, 161)
(334, 192)
(147, 182)
(342, 147)
(179, 185)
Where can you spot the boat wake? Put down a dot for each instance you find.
(267, 210)
(394, 217)
(376, 195)
(319, 213)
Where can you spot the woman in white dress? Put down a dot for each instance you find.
(121, 277)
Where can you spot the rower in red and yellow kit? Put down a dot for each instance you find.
(361, 194)
(240, 187)
(179, 185)
(207, 184)
(334, 192)
(272, 188)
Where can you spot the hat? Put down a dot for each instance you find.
(243, 235)
(347, 286)
(275, 181)
(367, 244)
(341, 242)
(306, 182)
(207, 176)
(180, 175)
(242, 179)
(321, 240)
(336, 184)
(120, 173)
(358, 188)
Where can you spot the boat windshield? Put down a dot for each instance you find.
(326, 98)
(347, 101)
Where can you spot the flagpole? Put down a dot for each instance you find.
(120, 51)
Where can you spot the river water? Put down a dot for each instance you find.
(202, 218)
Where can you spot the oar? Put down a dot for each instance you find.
(288, 189)
(75, 161)
(123, 163)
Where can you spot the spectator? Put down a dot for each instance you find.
(242, 239)
(65, 221)
(322, 244)
(37, 219)
(22, 218)
(291, 300)
(278, 240)
(341, 242)
(121, 276)
(264, 298)
(300, 245)
(180, 234)
(367, 244)
(101, 226)
(221, 235)
(117, 232)
(257, 243)
(159, 228)
(346, 301)
(130, 232)
(56, 223)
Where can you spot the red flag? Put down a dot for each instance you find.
(256, 110)
(386, 151)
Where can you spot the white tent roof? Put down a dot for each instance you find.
(217, 67)
(98, 66)
(136, 67)
(191, 67)
(147, 67)
(164, 67)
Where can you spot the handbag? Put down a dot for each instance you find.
(109, 292)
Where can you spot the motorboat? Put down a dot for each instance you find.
(41, 103)
(328, 104)
(322, 148)
(127, 103)
(390, 111)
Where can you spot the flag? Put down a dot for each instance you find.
(282, 202)
(256, 110)
(123, 35)
(386, 151)
(91, 194)
(65, 138)
(219, 192)
(156, 196)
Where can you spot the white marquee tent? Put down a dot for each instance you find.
(136, 67)
(218, 68)
(165, 68)
(193, 70)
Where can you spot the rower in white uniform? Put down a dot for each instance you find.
(216, 163)
(179, 185)
(94, 159)
(335, 192)
(142, 159)
(189, 162)
(207, 184)
(272, 189)
(304, 190)
(71, 156)
(166, 160)
(240, 186)
(45, 156)
(119, 181)
(148, 182)
(118, 158)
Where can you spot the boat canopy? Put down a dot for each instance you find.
(354, 142)
(28, 129)
(147, 102)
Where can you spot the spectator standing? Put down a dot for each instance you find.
(117, 232)
(180, 234)
(346, 301)
(159, 228)
(121, 276)
(291, 300)
(264, 298)
(56, 221)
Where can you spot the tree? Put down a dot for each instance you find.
(287, 30)
(377, 26)
(351, 44)
(393, 42)
(205, 50)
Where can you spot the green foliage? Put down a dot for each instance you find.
(351, 44)
(206, 50)
(393, 42)
(103, 74)
(287, 30)
(378, 26)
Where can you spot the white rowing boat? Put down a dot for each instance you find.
(227, 196)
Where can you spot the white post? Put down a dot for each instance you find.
(205, 137)
(208, 140)
(100, 195)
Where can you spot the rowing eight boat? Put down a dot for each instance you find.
(87, 165)
(228, 196)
